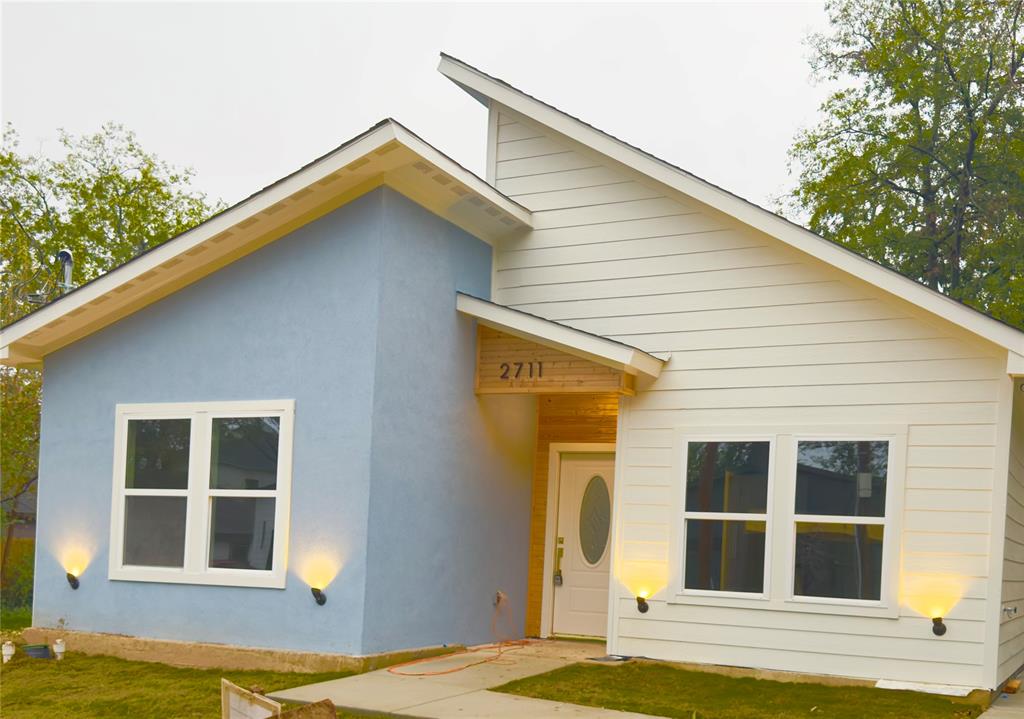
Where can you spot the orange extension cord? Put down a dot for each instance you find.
(501, 645)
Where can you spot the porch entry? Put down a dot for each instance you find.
(582, 549)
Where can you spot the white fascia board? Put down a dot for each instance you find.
(1014, 364)
(537, 329)
(199, 234)
(430, 154)
(744, 211)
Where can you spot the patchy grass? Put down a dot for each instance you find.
(664, 690)
(83, 686)
(15, 618)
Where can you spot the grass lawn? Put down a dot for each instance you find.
(89, 686)
(668, 691)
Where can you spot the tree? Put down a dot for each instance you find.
(105, 200)
(919, 161)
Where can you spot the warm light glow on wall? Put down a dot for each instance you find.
(319, 569)
(932, 596)
(74, 557)
(643, 578)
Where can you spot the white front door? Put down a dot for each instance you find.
(583, 544)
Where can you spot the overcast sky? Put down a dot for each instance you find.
(247, 92)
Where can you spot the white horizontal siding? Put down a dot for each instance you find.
(759, 335)
(1011, 630)
(613, 252)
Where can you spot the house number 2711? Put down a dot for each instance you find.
(524, 370)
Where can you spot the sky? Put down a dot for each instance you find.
(245, 92)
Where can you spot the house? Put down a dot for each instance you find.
(633, 404)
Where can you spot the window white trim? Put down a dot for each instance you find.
(680, 519)
(891, 522)
(199, 494)
(780, 532)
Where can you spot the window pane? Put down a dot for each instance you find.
(157, 454)
(725, 556)
(595, 519)
(838, 560)
(243, 454)
(242, 536)
(841, 478)
(154, 531)
(727, 477)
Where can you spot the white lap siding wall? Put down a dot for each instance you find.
(1011, 630)
(760, 334)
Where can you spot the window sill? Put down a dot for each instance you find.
(849, 607)
(801, 605)
(257, 579)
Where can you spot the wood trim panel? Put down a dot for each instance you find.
(560, 418)
(506, 364)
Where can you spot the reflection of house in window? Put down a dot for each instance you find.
(243, 533)
(833, 558)
(838, 560)
(243, 457)
(850, 494)
(743, 543)
(729, 479)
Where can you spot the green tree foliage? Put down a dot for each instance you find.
(918, 162)
(106, 200)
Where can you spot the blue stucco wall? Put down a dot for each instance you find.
(450, 496)
(296, 319)
(353, 317)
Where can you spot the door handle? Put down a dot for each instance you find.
(559, 551)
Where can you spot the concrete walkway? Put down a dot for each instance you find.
(460, 693)
(1007, 706)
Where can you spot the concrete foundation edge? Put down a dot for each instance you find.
(199, 655)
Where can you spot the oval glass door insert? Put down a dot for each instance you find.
(595, 519)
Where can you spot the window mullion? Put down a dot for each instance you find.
(197, 520)
(781, 535)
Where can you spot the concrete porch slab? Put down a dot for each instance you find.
(461, 691)
(1006, 706)
(494, 705)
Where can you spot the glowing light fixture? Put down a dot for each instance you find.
(643, 579)
(933, 597)
(74, 556)
(641, 603)
(8, 651)
(58, 649)
(319, 596)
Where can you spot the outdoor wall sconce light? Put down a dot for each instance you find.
(938, 628)
(641, 604)
(319, 596)
(72, 580)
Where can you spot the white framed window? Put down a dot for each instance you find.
(726, 515)
(202, 493)
(815, 511)
(843, 526)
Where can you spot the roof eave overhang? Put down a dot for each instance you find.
(561, 337)
(480, 84)
(1014, 364)
(362, 164)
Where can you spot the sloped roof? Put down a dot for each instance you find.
(385, 154)
(486, 88)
